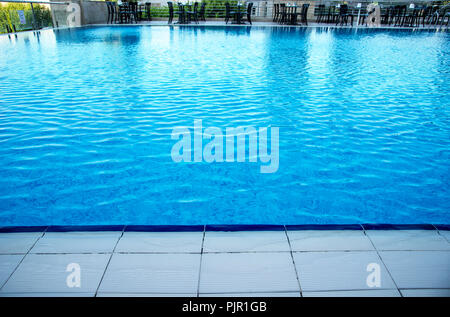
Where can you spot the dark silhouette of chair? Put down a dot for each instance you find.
(283, 14)
(320, 13)
(192, 14)
(228, 13)
(332, 14)
(124, 13)
(304, 13)
(201, 12)
(249, 13)
(148, 13)
(276, 12)
(399, 15)
(344, 15)
(181, 13)
(170, 5)
(112, 12)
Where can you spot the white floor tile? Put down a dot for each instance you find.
(418, 269)
(329, 240)
(245, 241)
(408, 240)
(76, 242)
(145, 295)
(47, 273)
(320, 271)
(363, 293)
(426, 292)
(281, 294)
(248, 272)
(160, 242)
(445, 234)
(7, 265)
(152, 273)
(18, 242)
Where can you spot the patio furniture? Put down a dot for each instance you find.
(112, 12)
(192, 14)
(228, 13)
(321, 13)
(344, 15)
(247, 16)
(181, 13)
(399, 14)
(124, 13)
(170, 5)
(304, 13)
(332, 14)
(276, 12)
(411, 17)
(148, 13)
(283, 13)
(134, 11)
(239, 13)
(201, 13)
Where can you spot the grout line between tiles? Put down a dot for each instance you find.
(381, 259)
(200, 266)
(439, 233)
(109, 260)
(293, 261)
(20, 262)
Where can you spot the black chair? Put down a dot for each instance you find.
(133, 11)
(344, 15)
(304, 13)
(148, 12)
(170, 5)
(399, 14)
(192, 14)
(276, 12)
(320, 13)
(444, 13)
(124, 13)
(283, 14)
(181, 13)
(248, 16)
(113, 12)
(332, 14)
(201, 12)
(228, 13)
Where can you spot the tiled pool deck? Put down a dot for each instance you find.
(246, 261)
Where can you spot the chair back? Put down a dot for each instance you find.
(343, 9)
(202, 8)
(227, 9)
(305, 7)
(249, 8)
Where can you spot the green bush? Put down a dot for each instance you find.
(10, 18)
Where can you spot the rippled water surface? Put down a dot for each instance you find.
(86, 118)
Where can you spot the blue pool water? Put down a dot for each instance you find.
(86, 117)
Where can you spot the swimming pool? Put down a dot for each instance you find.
(86, 117)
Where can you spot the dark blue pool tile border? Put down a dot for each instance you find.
(324, 227)
(230, 228)
(22, 229)
(442, 227)
(387, 226)
(85, 228)
(244, 228)
(163, 228)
